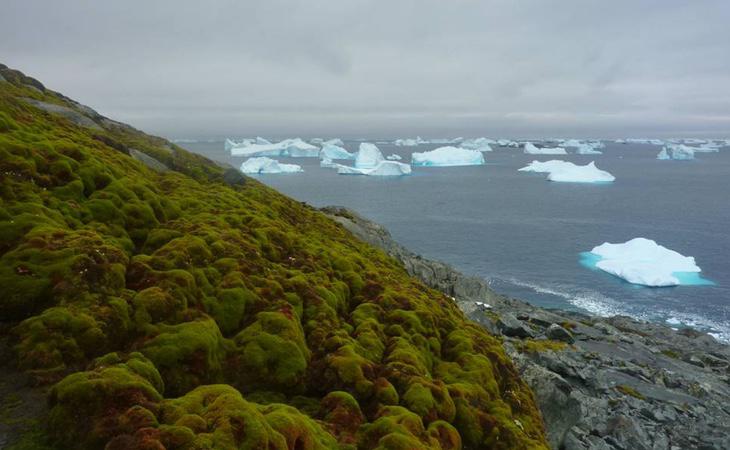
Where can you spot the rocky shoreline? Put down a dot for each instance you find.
(601, 383)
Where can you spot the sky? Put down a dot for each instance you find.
(396, 68)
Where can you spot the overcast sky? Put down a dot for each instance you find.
(358, 68)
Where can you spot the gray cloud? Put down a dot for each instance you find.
(362, 68)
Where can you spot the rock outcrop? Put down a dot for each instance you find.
(601, 383)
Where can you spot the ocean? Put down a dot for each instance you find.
(525, 234)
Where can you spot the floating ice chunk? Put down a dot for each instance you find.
(481, 144)
(268, 165)
(394, 157)
(567, 172)
(261, 141)
(288, 147)
(409, 142)
(331, 151)
(327, 163)
(584, 148)
(448, 156)
(677, 152)
(643, 261)
(532, 150)
(368, 156)
(645, 141)
(383, 169)
(336, 141)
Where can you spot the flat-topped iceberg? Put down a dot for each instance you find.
(643, 261)
(531, 149)
(448, 156)
(268, 165)
(383, 169)
(368, 156)
(332, 151)
(295, 148)
(678, 152)
(567, 172)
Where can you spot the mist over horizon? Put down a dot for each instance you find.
(369, 70)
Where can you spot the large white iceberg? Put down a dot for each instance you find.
(643, 261)
(268, 165)
(383, 169)
(532, 150)
(288, 147)
(676, 151)
(332, 151)
(448, 156)
(567, 172)
(368, 156)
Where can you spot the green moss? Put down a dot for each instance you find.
(540, 345)
(628, 390)
(330, 340)
(187, 355)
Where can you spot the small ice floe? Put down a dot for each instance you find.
(643, 261)
(481, 144)
(394, 157)
(268, 165)
(567, 172)
(531, 149)
(448, 156)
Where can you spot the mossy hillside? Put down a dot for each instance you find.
(177, 311)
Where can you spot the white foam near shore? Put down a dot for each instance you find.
(643, 261)
(265, 165)
(448, 156)
(567, 172)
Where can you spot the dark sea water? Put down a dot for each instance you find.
(525, 234)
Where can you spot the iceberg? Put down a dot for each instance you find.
(677, 152)
(382, 169)
(268, 165)
(445, 141)
(368, 156)
(409, 142)
(336, 141)
(332, 151)
(448, 156)
(643, 261)
(530, 149)
(295, 148)
(644, 141)
(394, 157)
(567, 172)
(584, 148)
(481, 144)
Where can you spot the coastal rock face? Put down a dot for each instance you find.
(601, 383)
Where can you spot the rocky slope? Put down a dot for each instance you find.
(601, 383)
(158, 301)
